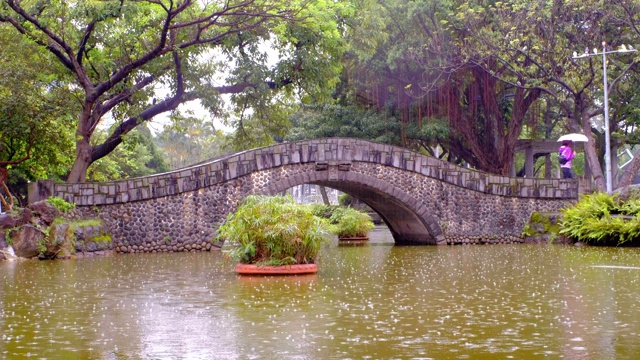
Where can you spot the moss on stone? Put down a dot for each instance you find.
(542, 226)
(69, 245)
(42, 245)
(102, 238)
(79, 223)
(7, 234)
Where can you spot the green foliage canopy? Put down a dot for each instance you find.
(137, 156)
(133, 60)
(190, 141)
(36, 131)
(321, 121)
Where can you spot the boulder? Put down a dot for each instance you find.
(45, 211)
(25, 241)
(26, 215)
(627, 193)
(7, 221)
(58, 244)
(86, 237)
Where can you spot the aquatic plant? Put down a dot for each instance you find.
(322, 210)
(349, 222)
(274, 230)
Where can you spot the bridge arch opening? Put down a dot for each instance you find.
(409, 221)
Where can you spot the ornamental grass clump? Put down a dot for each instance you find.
(602, 219)
(274, 231)
(348, 223)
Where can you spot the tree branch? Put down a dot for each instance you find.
(83, 42)
(126, 126)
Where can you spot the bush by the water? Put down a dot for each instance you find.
(349, 222)
(322, 210)
(274, 230)
(603, 219)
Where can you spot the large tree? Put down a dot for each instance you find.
(137, 156)
(538, 43)
(626, 116)
(321, 121)
(122, 54)
(425, 75)
(492, 67)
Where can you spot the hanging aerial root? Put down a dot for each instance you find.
(5, 205)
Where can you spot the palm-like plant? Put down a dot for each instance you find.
(349, 222)
(273, 231)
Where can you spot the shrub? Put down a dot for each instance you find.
(60, 204)
(268, 230)
(345, 200)
(349, 222)
(602, 219)
(322, 210)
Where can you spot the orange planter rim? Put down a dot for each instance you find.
(296, 269)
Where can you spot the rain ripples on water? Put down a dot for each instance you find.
(367, 302)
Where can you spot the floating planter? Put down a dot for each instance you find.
(297, 269)
(351, 225)
(272, 235)
(354, 241)
(353, 238)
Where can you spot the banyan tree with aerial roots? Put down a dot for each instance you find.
(480, 116)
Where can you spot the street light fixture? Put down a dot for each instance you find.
(607, 136)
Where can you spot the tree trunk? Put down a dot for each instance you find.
(325, 197)
(78, 172)
(591, 156)
(630, 172)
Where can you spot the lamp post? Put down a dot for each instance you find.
(607, 136)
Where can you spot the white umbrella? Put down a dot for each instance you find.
(573, 137)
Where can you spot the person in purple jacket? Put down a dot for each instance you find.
(569, 154)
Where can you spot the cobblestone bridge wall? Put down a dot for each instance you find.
(424, 200)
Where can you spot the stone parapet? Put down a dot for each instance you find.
(329, 151)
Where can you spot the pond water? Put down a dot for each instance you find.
(376, 301)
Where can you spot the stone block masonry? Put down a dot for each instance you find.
(423, 200)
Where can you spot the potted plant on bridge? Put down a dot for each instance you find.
(351, 224)
(272, 235)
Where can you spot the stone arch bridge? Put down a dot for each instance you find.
(423, 200)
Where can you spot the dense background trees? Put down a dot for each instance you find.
(120, 53)
(36, 139)
(190, 141)
(459, 80)
(492, 70)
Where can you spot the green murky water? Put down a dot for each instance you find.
(367, 302)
